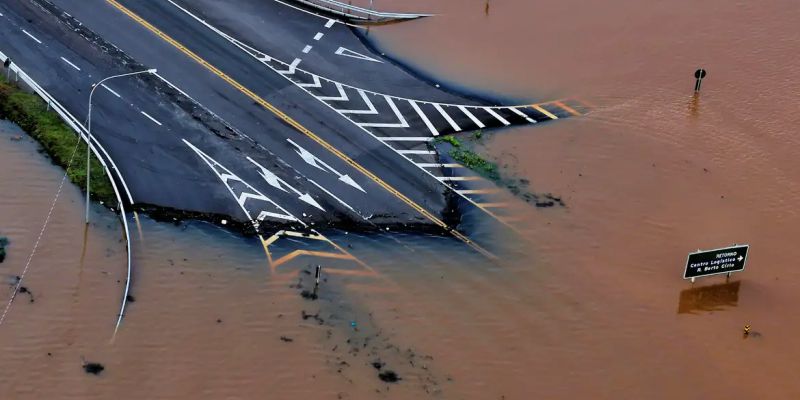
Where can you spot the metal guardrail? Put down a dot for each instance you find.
(358, 14)
(80, 130)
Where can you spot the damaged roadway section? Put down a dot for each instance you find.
(178, 158)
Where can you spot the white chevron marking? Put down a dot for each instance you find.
(472, 117)
(522, 114)
(403, 123)
(342, 94)
(316, 83)
(424, 118)
(447, 117)
(498, 116)
(369, 104)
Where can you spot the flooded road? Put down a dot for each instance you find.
(589, 305)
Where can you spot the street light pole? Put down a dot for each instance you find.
(89, 130)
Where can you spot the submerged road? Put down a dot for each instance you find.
(260, 111)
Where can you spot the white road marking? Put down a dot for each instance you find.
(522, 114)
(416, 151)
(354, 54)
(424, 118)
(316, 161)
(477, 191)
(109, 89)
(31, 36)
(369, 104)
(279, 183)
(475, 120)
(306, 49)
(151, 118)
(405, 139)
(447, 117)
(330, 23)
(334, 196)
(242, 198)
(292, 67)
(498, 116)
(457, 178)
(402, 124)
(316, 83)
(342, 94)
(71, 64)
(318, 36)
(439, 165)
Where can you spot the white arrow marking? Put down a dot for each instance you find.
(315, 161)
(279, 183)
(225, 175)
(358, 56)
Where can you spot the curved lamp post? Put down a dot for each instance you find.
(89, 129)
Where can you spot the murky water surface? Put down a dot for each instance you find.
(591, 305)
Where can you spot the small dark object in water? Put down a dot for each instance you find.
(3, 244)
(130, 298)
(389, 376)
(309, 295)
(219, 321)
(93, 368)
(23, 289)
(287, 339)
(377, 364)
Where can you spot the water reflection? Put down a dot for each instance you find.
(709, 298)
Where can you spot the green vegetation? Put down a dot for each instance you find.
(58, 140)
(477, 134)
(449, 139)
(475, 162)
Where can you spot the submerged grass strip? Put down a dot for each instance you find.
(475, 162)
(30, 112)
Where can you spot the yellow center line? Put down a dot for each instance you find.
(543, 111)
(566, 107)
(283, 116)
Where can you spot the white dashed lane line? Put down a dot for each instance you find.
(151, 118)
(109, 89)
(31, 36)
(330, 23)
(318, 36)
(306, 49)
(71, 64)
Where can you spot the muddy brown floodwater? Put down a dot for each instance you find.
(593, 304)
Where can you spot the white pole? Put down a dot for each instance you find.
(89, 130)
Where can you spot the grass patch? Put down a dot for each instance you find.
(475, 162)
(448, 139)
(30, 112)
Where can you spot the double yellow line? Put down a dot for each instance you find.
(289, 120)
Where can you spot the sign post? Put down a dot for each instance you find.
(717, 261)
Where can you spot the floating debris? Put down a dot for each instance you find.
(93, 368)
(389, 376)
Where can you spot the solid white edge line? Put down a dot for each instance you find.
(438, 165)
(151, 118)
(31, 36)
(405, 138)
(71, 64)
(424, 118)
(336, 198)
(416, 151)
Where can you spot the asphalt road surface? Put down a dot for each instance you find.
(259, 111)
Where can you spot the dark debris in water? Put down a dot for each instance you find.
(93, 368)
(389, 376)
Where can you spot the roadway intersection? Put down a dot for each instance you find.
(259, 112)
